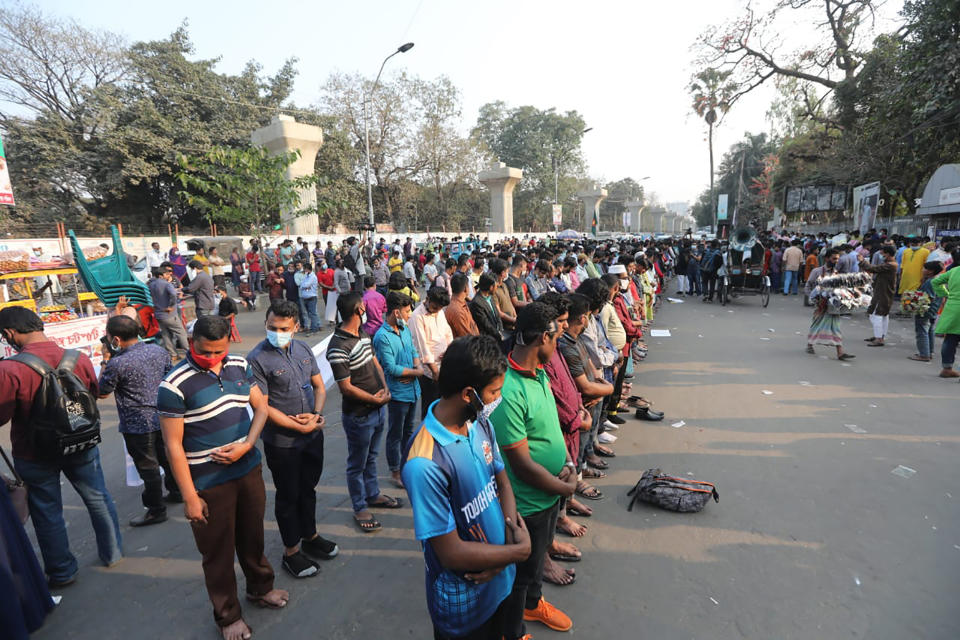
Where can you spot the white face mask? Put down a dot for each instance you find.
(490, 407)
(624, 285)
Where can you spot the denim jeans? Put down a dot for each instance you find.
(790, 282)
(401, 418)
(925, 335)
(774, 281)
(308, 308)
(363, 442)
(948, 352)
(84, 472)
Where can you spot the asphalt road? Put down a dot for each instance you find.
(813, 537)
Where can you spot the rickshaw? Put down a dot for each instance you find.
(743, 271)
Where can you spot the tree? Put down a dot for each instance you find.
(711, 90)
(247, 187)
(544, 144)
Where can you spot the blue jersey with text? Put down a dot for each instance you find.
(451, 483)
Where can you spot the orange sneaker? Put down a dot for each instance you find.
(548, 615)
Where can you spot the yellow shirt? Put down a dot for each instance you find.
(911, 265)
(395, 264)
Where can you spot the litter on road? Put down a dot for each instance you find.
(855, 428)
(660, 333)
(677, 425)
(903, 472)
(766, 392)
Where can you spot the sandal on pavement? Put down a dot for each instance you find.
(589, 492)
(590, 472)
(368, 525)
(385, 502)
(574, 511)
(603, 466)
(919, 358)
(847, 356)
(603, 452)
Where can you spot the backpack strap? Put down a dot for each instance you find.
(34, 362)
(69, 360)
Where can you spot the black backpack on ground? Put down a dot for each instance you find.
(64, 418)
(671, 493)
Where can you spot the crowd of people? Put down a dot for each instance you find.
(494, 380)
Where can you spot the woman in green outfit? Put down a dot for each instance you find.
(947, 285)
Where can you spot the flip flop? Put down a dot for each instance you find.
(603, 466)
(604, 452)
(387, 503)
(562, 557)
(589, 492)
(368, 525)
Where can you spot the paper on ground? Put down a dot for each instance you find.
(855, 428)
(677, 425)
(660, 333)
(675, 300)
(767, 393)
(903, 472)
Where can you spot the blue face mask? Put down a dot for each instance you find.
(279, 339)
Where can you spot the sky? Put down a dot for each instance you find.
(625, 66)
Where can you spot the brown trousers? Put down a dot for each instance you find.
(234, 524)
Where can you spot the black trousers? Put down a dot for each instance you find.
(614, 400)
(528, 585)
(492, 629)
(296, 472)
(149, 456)
(429, 391)
(709, 284)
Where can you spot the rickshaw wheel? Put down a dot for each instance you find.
(765, 296)
(722, 292)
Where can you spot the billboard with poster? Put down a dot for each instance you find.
(866, 198)
(6, 189)
(813, 197)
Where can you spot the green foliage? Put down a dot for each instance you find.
(245, 186)
(538, 142)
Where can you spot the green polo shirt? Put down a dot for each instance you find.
(528, 413)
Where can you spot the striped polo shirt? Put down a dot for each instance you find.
(215, 413)
(351, 357)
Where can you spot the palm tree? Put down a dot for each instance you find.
(711, 92)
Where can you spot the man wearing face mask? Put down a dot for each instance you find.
(133, 373)
(286, 372)
(211, 443)
(464, 511)
(538, 466)
(400, 360)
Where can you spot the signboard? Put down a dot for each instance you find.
(865, 200)
(557, 215)
(6, 189)
(722, 207)
(950, 196)
(626, 219)
(813, 197)
(83, 335)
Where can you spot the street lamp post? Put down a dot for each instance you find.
(366, 127)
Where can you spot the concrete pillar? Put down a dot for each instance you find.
(591, 205)
(501, 180)
(635, 207)
(285, 134)
(667, 223)
(655, 219)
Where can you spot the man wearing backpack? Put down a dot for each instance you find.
(39, 462)
(709, 266)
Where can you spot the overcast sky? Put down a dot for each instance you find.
(623, 65)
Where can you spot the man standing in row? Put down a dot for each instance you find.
(432, 336)
(211, 444)
(202, 289)
(400, 360)
(458, 313)
(286, 372)
(364, 392)
(540, 471)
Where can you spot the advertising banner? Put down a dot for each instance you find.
(83, 335)
(722, 207)
(6, 189)
(866, 197)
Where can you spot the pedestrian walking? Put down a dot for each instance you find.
(165, 300)
(202, 289)
(825, 326)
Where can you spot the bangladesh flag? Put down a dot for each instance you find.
(595, 223)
